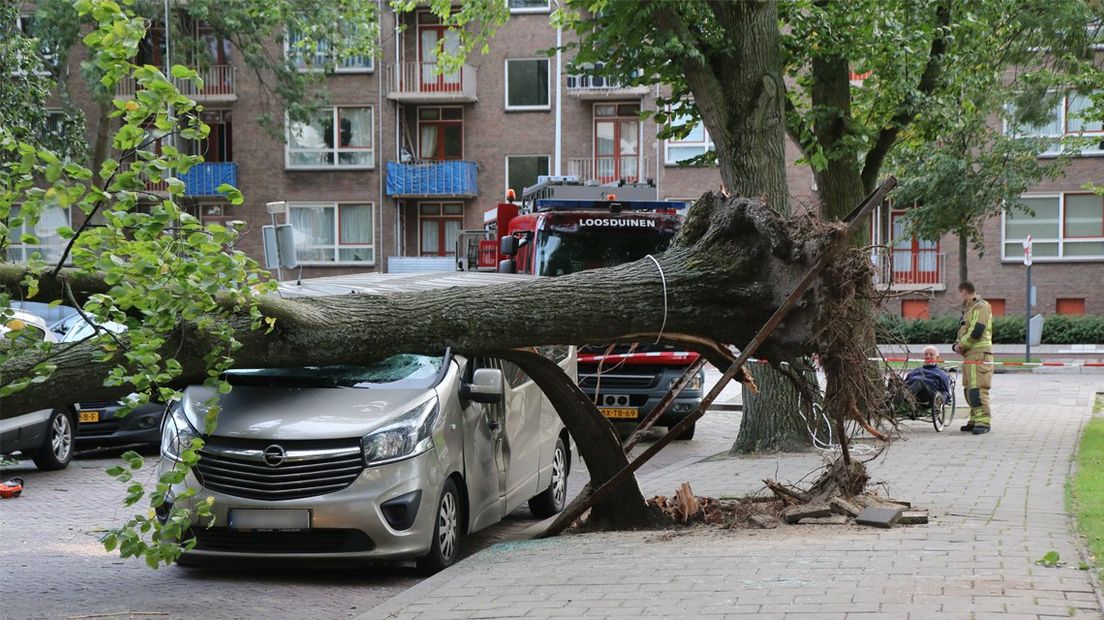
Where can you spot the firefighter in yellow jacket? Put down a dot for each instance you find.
(975, 343)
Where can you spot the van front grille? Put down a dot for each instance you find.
(251, 471)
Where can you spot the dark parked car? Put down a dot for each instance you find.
(98, 423)
(45, 435)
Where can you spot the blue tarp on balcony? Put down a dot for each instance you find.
(204, 179)
(431, 178)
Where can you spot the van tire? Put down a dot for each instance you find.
(551, 500)
(57, 444)
(448, 531)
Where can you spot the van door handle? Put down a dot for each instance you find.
(493, 426)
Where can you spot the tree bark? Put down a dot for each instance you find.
(780, 418)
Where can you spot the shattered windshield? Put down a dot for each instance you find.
(398, 372)
(560, 252)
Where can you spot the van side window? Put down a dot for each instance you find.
(514, 375)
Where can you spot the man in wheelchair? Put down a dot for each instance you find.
(928, 380)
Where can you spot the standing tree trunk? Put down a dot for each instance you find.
(777, 392)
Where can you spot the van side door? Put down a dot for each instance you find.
(485, 453)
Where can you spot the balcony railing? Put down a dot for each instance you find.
(420, 179)
(419, 82)
(630, 168)
(909, 269)
(203, 180)
(600, 87)
(218, 85)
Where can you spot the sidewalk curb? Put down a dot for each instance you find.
(394, 605)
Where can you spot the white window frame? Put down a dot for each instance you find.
(547, 8)
(336, 150)
(1057, 149)
(506, 169)
(16, 241)
(1061, 239)
(288, 55)
(506, 86)
(706, 142)
(337, 246)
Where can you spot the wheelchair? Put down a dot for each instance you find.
(903, 404)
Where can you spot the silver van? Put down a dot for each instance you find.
(396, 460)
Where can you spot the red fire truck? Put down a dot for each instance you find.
(562, 227)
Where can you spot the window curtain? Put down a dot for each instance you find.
(430, 243)
(428, 142)
(356, 224)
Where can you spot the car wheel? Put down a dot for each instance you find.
(447, 531)
(57, 448)
(688, 434)
(551, 500)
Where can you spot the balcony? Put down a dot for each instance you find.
(630, 168)
(218, 85)
(910, 269)
(419, 82)
(588, 87)
(428, 179)
(202, 180)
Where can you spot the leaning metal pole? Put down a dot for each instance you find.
(839, 244)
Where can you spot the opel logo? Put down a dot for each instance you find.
(274, 455)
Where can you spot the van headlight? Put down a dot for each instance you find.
(176, 433)
(408, 435)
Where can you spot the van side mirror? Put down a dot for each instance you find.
(507, 266)
(508, 245)
(486, 387)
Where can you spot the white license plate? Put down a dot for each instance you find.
(239, 519)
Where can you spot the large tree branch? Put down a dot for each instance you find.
(733, 262)
(908, 109)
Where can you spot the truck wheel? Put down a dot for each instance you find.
(447, 531)
(688, 434)
(551, 500)
(57, 446)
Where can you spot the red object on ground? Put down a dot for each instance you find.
(11, 488)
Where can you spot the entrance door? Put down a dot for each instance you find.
(617, 142)
(915, 261)
(428, 37)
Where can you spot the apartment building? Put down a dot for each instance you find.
(406, 157)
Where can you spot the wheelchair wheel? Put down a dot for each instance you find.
(939, 413)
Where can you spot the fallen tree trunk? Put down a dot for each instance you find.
(731, 265)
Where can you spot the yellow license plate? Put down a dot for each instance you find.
(619, 412)
(89, 416)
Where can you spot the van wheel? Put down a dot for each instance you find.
(688, 434)
(551, 500)
(447, 532)
(57, 447)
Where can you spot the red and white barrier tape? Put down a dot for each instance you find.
(995, 363)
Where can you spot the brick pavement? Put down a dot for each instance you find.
(997, 503)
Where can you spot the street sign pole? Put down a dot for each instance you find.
(1027, 300)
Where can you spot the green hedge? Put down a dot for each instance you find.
(1057, 329)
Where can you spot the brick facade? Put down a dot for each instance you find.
(491, 133)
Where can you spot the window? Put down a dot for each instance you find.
(50, 245)
(1073, 306)
(333, 232)
(440, 132)
(27, 26)
(527, 84)
(522, 171)
(1070, 117)
(324, 57)
(1065, 226)
(439, 224)
(529, 6)
(997, 306)
(695, 144)
(339, 137)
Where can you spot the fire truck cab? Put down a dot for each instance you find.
(563, 226)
